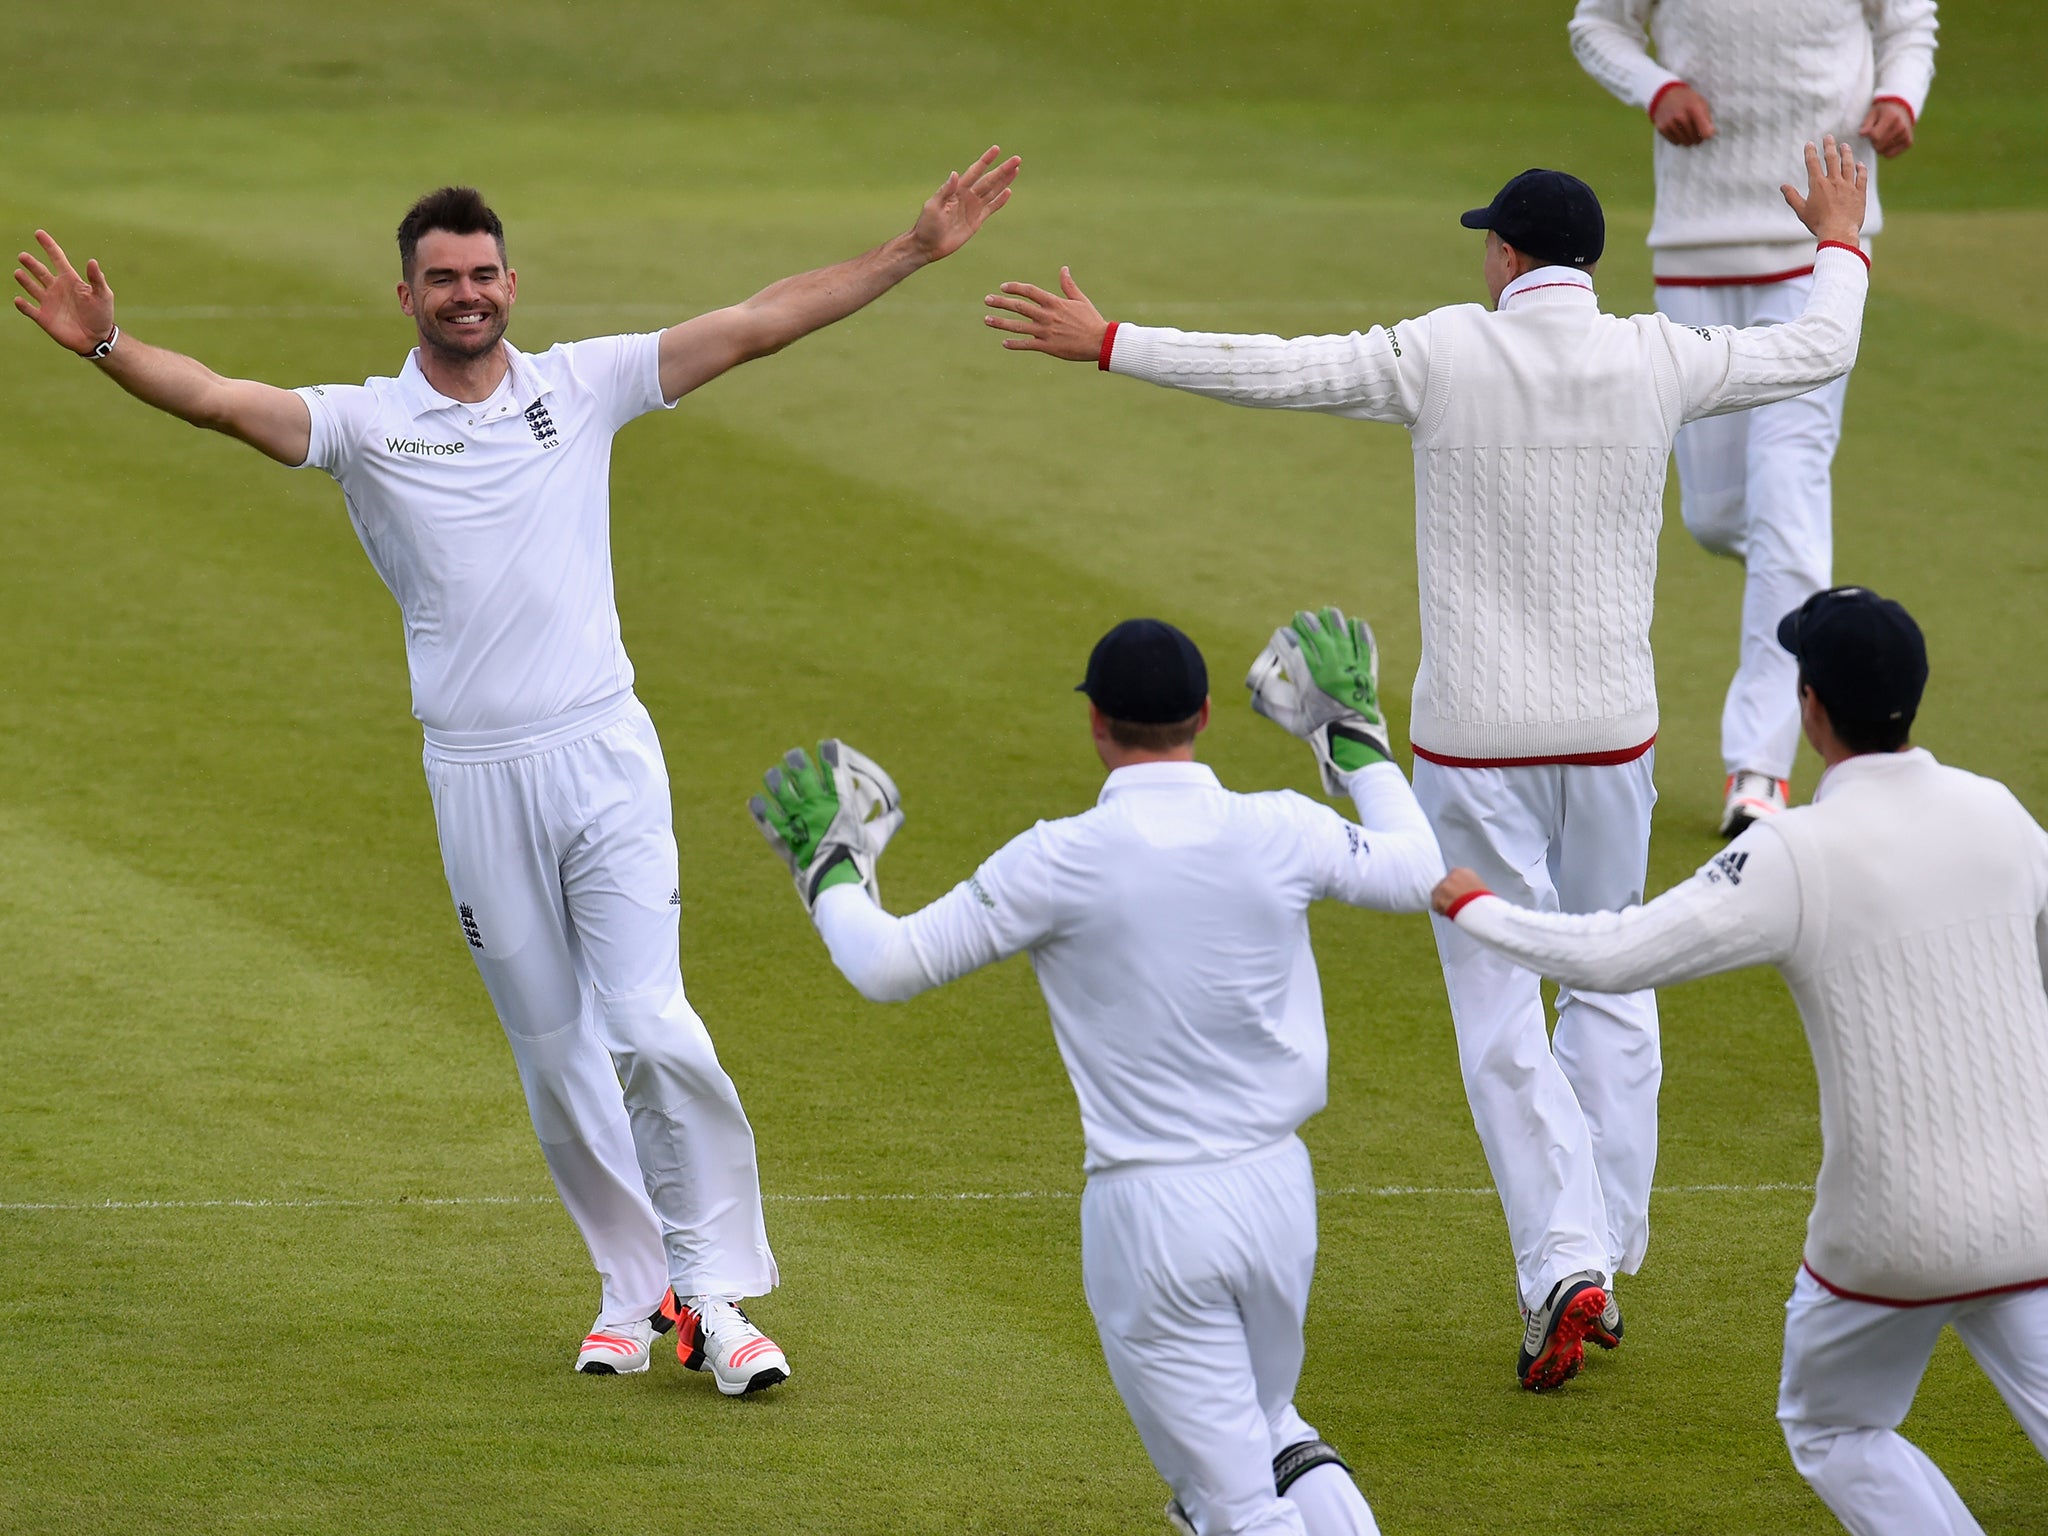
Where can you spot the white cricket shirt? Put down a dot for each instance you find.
(1168, 927)
(491, 524)
(1908, 910)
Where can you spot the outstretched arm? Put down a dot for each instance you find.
(77, 312)
(1725, 369)
(1741, 909)
(1375, 376)
(699, 350)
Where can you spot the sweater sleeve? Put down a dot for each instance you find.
(1902, 36)
(1725, 368)
(1611, 40)
(1741, 909)
(1377, 376)
(1388, 859)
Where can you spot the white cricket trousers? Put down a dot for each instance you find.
(1568, 1123)
(1851, 1369)
(1755, 485)
(561, 856)
(1198, 1276)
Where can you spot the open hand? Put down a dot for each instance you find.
(962, 205)
(77, 312)
(1064, 324)
(1683, 116)
(1889, 127)
(1453, 888)
(1837, 187)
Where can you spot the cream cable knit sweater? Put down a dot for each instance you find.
(1777, 74)
(1908, 909)
(1541, 432)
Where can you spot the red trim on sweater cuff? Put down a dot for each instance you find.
(1926, 1301)
(1733, 282)
(1910, 113)
(1464, 901)
(1843, 245)
(1108, 346)
(1566, 759)
(1668, 85)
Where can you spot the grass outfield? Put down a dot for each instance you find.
(277, 1251)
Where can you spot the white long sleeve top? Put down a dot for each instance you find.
(1777, 74)
(1908, 910)
(1541, 432)
(1168, 927)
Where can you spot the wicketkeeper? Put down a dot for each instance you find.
(1169, 930)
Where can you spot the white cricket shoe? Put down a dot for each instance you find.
(714, 1335)
(1751, 796)
(1178, 1519)
(623, 1350)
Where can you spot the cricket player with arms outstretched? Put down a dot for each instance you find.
(1168, 927)
(1735, 87)
(1541, 428)
(1908, 910)
(478, 480)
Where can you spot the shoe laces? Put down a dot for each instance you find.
(721, 1319)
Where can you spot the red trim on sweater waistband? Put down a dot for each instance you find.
(1108, 346)
(1464, 901)
(1912, 116)
(1739, 282)
(1668, 85)
(1930, 1301)
(1843, 245)
(1564, 759)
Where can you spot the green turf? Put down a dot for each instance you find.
(228, 972)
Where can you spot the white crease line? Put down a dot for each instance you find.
(1380, 1192)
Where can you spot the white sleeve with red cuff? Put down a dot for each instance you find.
(1611, 39)
(1388, 860)
(1728, 368)
(1902, 36)
(1741, 909)
(1376, 375)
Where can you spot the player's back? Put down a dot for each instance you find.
(1918, 968)
(1177, 968)
(1539, 470)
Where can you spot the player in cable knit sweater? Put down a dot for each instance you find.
(1734, 85)
(1541, 428)
(1908, 910)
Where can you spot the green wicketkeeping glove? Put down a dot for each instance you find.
(1319, 678)
(829, 820)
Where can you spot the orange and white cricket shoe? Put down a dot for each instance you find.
(1751, 796)
(714, 1335)
(622, 1350)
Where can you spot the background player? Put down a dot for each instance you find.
(1168, 927)
(478, 482)
(1734, 86)
(1541, 431)
(1908, 909)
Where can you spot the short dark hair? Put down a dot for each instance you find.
(1862, 736)
(458, 210)
(1146, 736)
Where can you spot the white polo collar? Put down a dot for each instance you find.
(1868, 765)
(522, 385)
(1157, 776)
(1553, 284)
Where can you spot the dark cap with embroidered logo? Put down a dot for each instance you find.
(1860, 653)
(1548, 215)
(1147, 672)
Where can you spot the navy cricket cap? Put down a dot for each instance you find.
(1147, 672)
(1548, 215)
(1861, 653)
